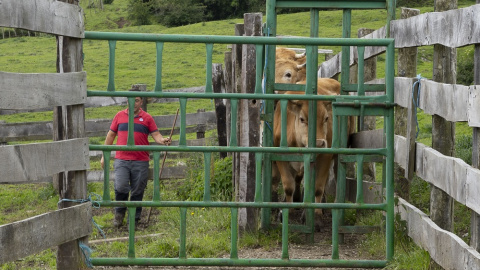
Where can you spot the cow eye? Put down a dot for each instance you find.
(302, 120)
(289, 75)
(326, 118)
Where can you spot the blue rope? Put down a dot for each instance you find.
(95, 199)
(86, 251)
(416, 102)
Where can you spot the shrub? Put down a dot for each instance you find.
(221, 187)
(139, 12)
(465, 66)
(177, 13)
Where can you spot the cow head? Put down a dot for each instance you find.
(286, 71)
(299, 109)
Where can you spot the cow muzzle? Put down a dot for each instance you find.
(321, 143)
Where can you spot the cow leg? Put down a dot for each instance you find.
(323, 164)
(288, 181)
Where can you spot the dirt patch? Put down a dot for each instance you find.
(122, 22)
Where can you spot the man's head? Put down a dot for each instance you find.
(138, 101)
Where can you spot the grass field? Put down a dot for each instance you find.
(184, 66)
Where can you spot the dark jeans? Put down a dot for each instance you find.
(131, 178)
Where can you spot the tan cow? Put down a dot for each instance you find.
(291, 173)
(289, 54)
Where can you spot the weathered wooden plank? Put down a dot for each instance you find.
(446, 248)
(31, 162)
(41, 90)
(449, 101)
(47, 16)
(453, 28)
(33, 235)
(473, 189)
(474, 106)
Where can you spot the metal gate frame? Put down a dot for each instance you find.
(344, 105)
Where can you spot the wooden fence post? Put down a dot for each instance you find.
(218, 87)
(407, 67)
(443, 131)
(249, 124)
(227, 72)
(475, 219)
(237, 85)
(69, 123)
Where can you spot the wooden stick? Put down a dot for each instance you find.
(163, 162)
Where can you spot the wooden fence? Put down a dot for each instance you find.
(67, 156)
(446, 100)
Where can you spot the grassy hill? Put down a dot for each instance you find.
(184, 66)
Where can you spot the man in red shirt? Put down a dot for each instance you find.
(131, 167)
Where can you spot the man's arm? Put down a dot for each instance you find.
(108, 141)
(160, 139)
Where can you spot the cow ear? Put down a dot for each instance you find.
(294, 105)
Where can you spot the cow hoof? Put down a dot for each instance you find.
(318, 223)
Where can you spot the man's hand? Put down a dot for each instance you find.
(166, 141)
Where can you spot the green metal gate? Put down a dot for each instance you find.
(343, 106)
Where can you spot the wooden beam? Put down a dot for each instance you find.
(32, 162)
(446, 248)
(36, 90)
(35, 234)
(47, 16)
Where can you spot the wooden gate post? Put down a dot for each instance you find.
(227, 73)
(407, 67)
(475, 219)
(443, 131)
(249, 125)
(220, 109)
(69, 123)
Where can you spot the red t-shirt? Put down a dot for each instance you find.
(143, 126)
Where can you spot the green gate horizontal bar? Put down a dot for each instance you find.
(219, 204)
(300, 150)
(240, 262)
(375, 4)
(236, 39)
(97, 93)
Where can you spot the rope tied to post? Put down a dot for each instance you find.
(416, 101)
(87, 252)
(95, 199)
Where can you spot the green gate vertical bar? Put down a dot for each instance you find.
(389, 80)
(309, 192)
(283, 110)
(208, 83)
(335, 234)
(106, 175)
(207, 158)
(158, 78)
(234, 233)
(346, 33)
(156, 176)
(131, 231)
(270, 30)
(233, 121)
(111, 65)
(131, 126)
(258, 68)
(285, 233)
(183, 122)
(258, 176)
(359, 198)
(183, 233)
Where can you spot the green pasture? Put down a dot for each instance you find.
(184, 66)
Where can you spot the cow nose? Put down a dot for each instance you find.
(321, 143)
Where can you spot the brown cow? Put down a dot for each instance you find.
(289, 54)
(290, 67)
(291, 173)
